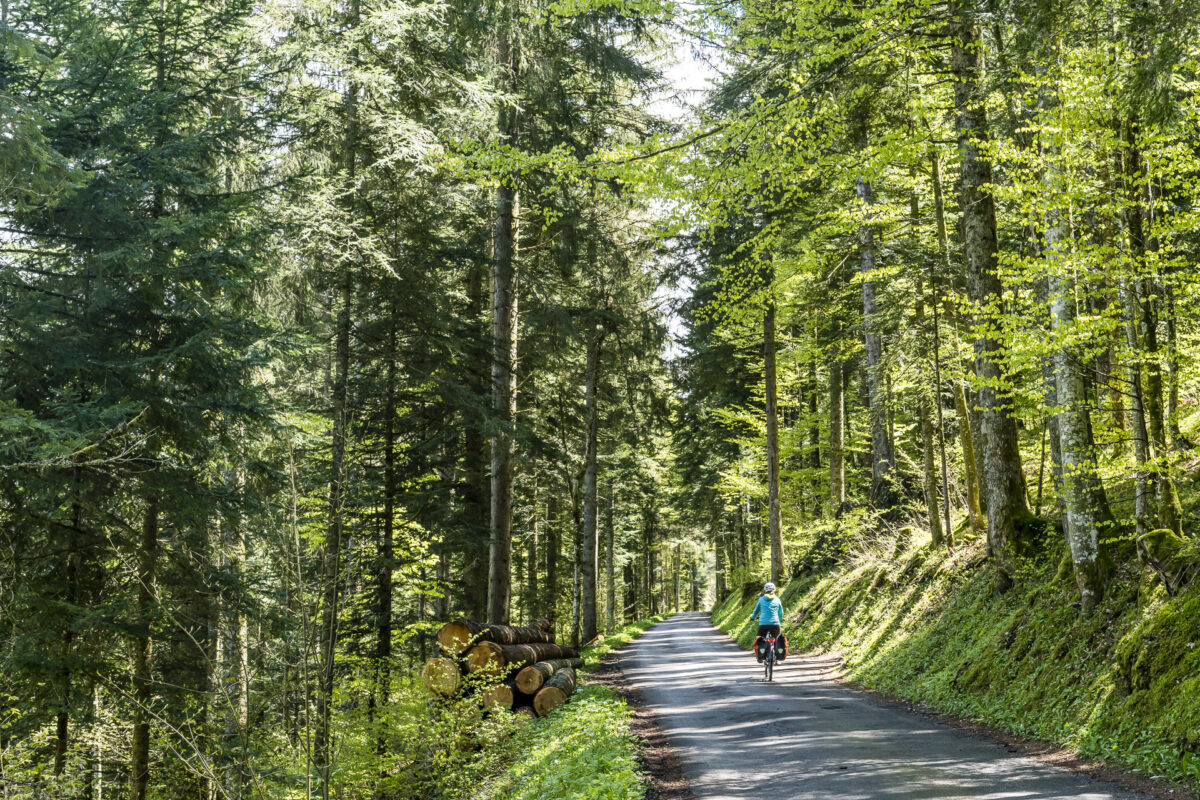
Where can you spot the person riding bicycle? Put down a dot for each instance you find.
(769, 613)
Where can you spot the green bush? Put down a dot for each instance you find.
(581, 751)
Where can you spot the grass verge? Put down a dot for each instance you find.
(1122, 684)
(583, 750)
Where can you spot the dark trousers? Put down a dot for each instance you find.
(763, 630)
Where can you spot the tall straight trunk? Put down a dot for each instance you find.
(532, 545)
(553, 548)
(722, 565)
(71, 565)
(143, 644)
(1146, 478)
(814, 434)
(591, 544)
(611, 620)
(1084, 499)
(967, 442)
(939, 209)
(332, 548)
(965, 421)
(233, 653)
(837, 438)
(576, 562)
(648, 540)
(1170, 512)
(883, 493)
(1178, 442)
(774, 513)
(675, 577)
(629, 603)
(386, 558)
(1008, 512)
(475, 490)
(1166, 497)
(743, 543)
(937, 535)
(504, 337)
(331, 556)
(1051, 401)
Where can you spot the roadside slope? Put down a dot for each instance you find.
(1122, 685)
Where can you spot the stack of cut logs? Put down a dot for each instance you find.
(519, 668)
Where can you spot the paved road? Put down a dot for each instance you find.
(816, 739)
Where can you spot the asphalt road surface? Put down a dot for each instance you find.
(804, 736)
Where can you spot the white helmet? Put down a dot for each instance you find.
(768, 587)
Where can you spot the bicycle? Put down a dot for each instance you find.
(769, 657)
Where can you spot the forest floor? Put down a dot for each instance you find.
(808, 735)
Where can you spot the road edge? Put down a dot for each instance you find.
(663, 770)
(1041, 751)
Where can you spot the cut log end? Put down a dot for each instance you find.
(524, 714)
(498, 696)
(441, 677)
(548, 699)
(531, 678)
(454, 637)
(485, 656)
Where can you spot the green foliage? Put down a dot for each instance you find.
(582, 751)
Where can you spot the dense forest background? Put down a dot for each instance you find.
(323, 322)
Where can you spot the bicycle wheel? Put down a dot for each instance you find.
(770, 664)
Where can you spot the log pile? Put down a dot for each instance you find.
(514, 668)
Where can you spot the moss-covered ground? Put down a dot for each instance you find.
(1121, 684)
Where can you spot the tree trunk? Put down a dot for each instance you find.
(774, 513)
(553, 547)
(475, 490)
(883, 494)
(71, 585)
(721, 564)
(332, 547)
(385, 562)
(837, 438)
(630, 600)
(557, 691)
(610, 567)
(1008, 512)
(1129, 169)
(456, 637)
(591, 543)
(531, 563)
(967, 441)
(233, 653)
(930, 474)
(1087, 511)
(533, 677)
(503, 658)
(576, 562)
(814, 434)
(143, 695)
(504, 337)
(1053, 428)
(1178, 441)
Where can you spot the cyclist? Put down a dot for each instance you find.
(769, 613)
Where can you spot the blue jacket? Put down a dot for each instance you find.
(768, 611)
